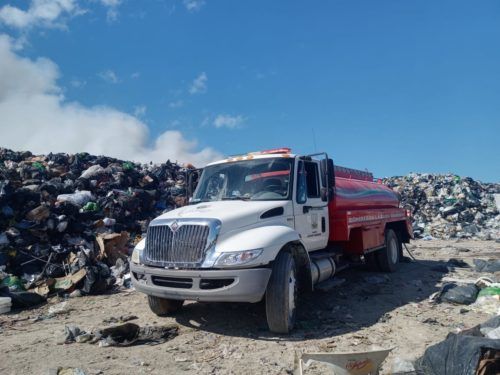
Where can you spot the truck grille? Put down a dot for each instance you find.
(186, 245)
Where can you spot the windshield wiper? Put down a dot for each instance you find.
(235, 198)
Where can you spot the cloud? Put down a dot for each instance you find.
(109, 76)
(35, 116)
(199, 84)
(176, 104)
(228, 121)
(135, 75)
(43, 13)
(193, 5)
(77, 83)
(112, 5)
(140, 110)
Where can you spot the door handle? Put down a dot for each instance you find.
(306, 209)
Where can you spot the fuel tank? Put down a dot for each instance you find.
(358, 194)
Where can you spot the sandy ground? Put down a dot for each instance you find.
(217, 338)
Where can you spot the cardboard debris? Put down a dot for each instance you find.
(112, 246)
(68, 282)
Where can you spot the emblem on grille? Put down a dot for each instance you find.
(174, 226)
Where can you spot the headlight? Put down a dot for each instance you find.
(237, 258)
(136, 256)
(137, 253)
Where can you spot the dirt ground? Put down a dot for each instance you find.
(217, 338)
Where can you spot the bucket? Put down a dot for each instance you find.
(360, 363)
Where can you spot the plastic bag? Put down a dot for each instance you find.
(79, 198)
(492, 265)
(460, 294)
(461, 354)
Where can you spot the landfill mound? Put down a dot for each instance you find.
(67, 222)
(448, 206)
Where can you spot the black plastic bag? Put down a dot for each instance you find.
(461, 294)
(461, 354)
(492, 265)
(22, 299)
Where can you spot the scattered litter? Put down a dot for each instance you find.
(122, 335)
(459, 294)
(67, 371)
(120, 319)
(468, 352)
(60, 308)
(402, 366)
(22, 299)
(492, 265)
(354, 363)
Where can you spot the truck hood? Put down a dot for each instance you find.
(232, 214)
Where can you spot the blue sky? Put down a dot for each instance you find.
(391, 86)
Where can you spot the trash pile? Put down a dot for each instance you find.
(448, 206)
(68, 222)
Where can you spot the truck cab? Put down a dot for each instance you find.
(267, 225)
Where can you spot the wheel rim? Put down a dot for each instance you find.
(393, 251)
(292, 282)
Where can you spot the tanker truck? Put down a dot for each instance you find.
(267, 226)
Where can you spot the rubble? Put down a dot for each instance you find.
(68, 222)
(448, 206)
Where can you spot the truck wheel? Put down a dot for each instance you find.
(281, 294)
(388, 257)
(163, 306)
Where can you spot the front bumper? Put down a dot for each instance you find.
(240, 285)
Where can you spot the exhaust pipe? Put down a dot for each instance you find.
(322, 269)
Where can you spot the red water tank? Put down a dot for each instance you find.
(359, 194)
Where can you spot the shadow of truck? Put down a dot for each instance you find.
(361, 301)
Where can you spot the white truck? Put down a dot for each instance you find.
(264, 225)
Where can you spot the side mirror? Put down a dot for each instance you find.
(328, 173)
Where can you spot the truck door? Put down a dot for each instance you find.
(311, 212)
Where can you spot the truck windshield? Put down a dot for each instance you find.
(255, 179)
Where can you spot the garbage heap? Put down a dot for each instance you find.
(67, 222)
(448, 206)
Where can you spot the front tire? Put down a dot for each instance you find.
(281, 294)
(388, 257)
(164, 306)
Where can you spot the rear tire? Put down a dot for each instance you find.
(388, 257)
(281, 294)
(164, 306)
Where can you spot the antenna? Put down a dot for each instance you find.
(314, 140)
